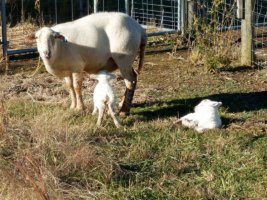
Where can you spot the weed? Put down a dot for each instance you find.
(213, 47)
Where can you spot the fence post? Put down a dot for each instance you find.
(181, 16)
(22, 11)
(81, 7)
(190, 15)
(4, 32)
(185, 16)
(127, 7)
(95, 6)
(72, 13)
(55, 10)
(247, 32)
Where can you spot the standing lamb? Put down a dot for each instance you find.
(104, 96)
(101, 41)
(205, 117)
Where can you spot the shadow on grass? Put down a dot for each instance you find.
(234, 102)
(240, 69)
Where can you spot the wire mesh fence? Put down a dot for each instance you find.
(24, 17)
(217, 31)
(260, 32)
(157, 16)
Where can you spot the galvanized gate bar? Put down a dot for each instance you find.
(4, 31)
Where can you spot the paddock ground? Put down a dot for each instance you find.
(150, 157)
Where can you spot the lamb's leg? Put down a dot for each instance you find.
(130, 79)
(77, 83)
(112, 114)
(69, 86)
(95, 110)
(100, 114)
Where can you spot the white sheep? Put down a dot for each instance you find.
(104, 96)
(205, 117)
(101, 41)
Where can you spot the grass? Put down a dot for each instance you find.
(50, 152)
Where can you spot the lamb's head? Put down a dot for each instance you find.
(207, 104)
(104, 75)
(45, 39)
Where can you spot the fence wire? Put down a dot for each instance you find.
(159, 14)
(25, 17)
(260, 32)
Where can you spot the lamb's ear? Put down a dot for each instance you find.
(57, 35)
(219, 103)
(216, 104)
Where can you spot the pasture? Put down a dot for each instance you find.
(50, 152)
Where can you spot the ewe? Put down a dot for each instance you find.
(205, 116)
(104, 96)
(101, 41)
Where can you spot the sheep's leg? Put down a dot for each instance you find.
(77, 83)
(69, 85)
(130, 81)
(101, 111)
(112, 114)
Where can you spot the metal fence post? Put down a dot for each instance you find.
(72, 14)
(185, 16)
(127, 7)
(4, 32)
(22, 11)
(95, 6)
(132, 8)
(247, 32)
(56, 10)
(81, 7)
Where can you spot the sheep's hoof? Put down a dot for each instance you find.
(72, 106)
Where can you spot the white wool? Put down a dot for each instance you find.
(205, 117)
(104, 95)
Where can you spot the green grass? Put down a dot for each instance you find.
(67, 156)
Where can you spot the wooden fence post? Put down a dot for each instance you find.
(247, 32)
(190, 14)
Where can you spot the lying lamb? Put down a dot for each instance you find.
(205, 117)
(104, 95)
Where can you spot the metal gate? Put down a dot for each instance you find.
(158, 16)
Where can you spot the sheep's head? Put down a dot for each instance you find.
(206, 103)
(45, 38)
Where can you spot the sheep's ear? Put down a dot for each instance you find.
(57, 35)
(32, 36)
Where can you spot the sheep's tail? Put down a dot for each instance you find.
(142, 53)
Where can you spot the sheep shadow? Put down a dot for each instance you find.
(233, 102)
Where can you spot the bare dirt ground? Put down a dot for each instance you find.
(163, 75)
